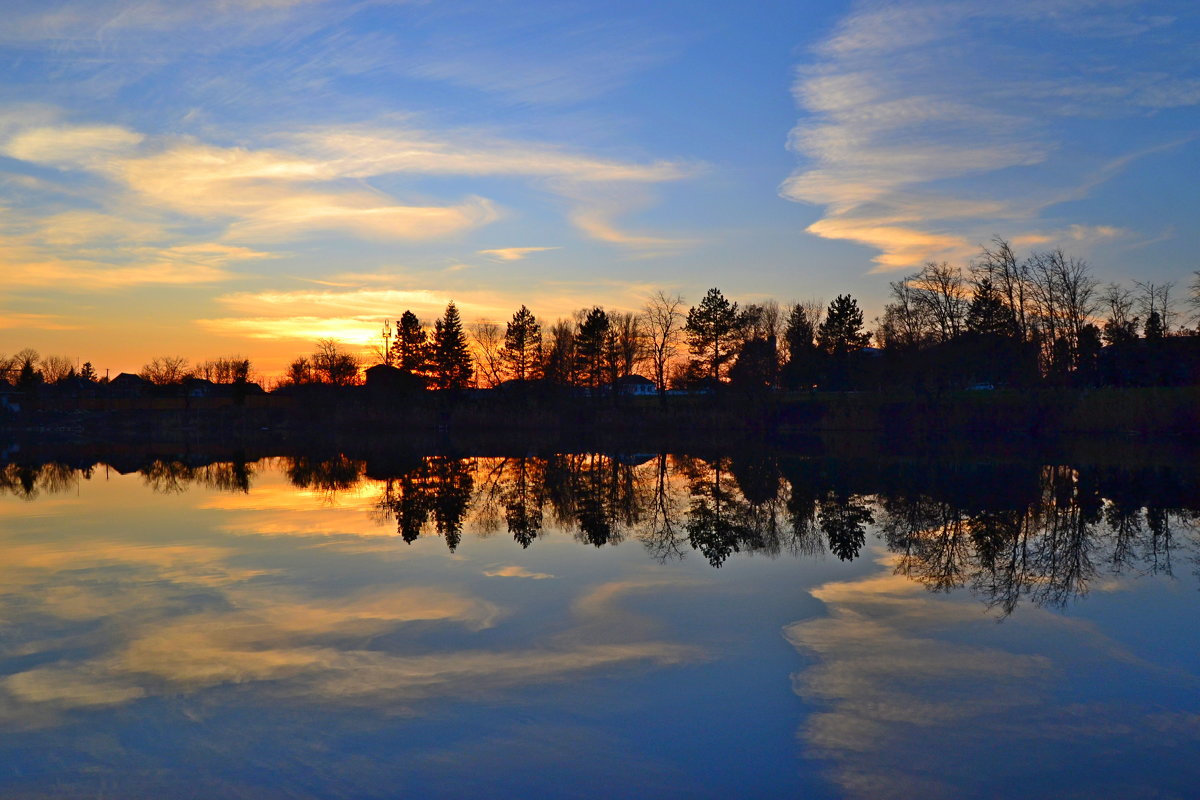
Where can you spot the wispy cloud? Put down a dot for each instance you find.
(941, 104)
(516, 572)
(317, 181)
(514, 253)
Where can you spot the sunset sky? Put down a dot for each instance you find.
(214, 177)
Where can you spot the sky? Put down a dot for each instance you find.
(227, 177)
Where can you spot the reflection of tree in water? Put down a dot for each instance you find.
(718, 517)
(28, 482)
(523, 498)
(167, 476)
(1046, 551)
(844, 518)
(596, 494)
(1006, 531)
(328, 476)
(439, 488)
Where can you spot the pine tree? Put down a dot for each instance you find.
(522, 348)
(410, 348)
(988, 314)
(591, 348)
(712, 331)
(451, 355)
(803, 358)
(1155, 329)
(841, 332)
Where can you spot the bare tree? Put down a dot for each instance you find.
(1155, 298)
(1063, 297)
(226, 369)
(999, 264)
(57, 368)
(663, 320)
(560, 353)
(1121, 325)
(489, 342)
(627, 342)
(332, 364)
(165, 370)
(907, 322)
(941, 289)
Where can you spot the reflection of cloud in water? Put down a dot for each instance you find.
(158, 636)
(516, 572)
(903, 709)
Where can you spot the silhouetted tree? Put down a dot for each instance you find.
(299, 371)
(987, 314)
(227, 369)
(488, 344)
(663, 323)
(800, 339)
(410, 347)
(1120, 326)
(560, 353)
(451, 356)
(712, 331)
(842, 333)
(592, 348)
(331, 364)
(757, 365)
(1155, 330)
(165, 370)
(522, 351)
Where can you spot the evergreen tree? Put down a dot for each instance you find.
(522, 348)
(451, 355)
(988, 314)
(1155, 329)
(841, 333)
(592, 343)
(712, 331)
(88, 372)
(800, 336)
(410, 348)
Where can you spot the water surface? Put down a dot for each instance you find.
(585, 624)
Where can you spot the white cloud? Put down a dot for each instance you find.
(940, 102)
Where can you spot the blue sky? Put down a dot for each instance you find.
(219, 176)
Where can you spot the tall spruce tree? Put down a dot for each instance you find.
(410, 348)
(988, 313)
(592, 348)
(841, 333)
(451, 356)
(712, 332)
(522, 350)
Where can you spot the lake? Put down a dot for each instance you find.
(583, 625)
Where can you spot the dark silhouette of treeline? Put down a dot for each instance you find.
(1006, 529)
(1031, 345)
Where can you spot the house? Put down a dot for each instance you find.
(635, 386)
(129, 385)
(388, 379)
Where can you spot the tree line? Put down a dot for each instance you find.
(1001, 320)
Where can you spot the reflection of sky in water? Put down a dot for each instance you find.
(288, 643)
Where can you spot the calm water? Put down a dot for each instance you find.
(586, 626)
